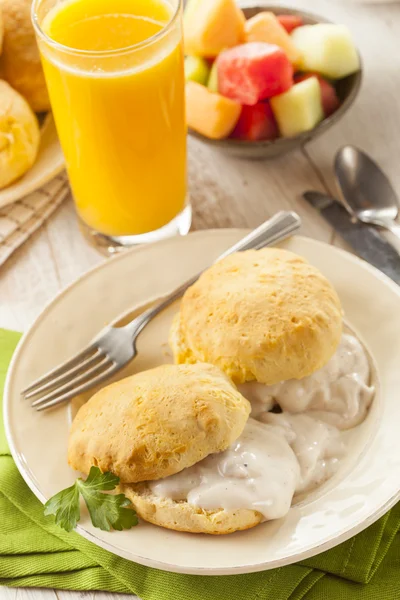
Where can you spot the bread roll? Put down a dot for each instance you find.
(19, 135)
(265, 315)
(1, 29)
(20, 61)
(157, 422)
(182, 516)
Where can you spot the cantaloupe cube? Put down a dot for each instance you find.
(299, 109)
(211, 25)
(210, 114)
(265, 27)
(327, 49)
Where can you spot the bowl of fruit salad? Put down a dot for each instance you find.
(263, 80)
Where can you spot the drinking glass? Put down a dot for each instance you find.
(116, 86)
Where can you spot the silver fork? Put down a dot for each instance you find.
(114, 347)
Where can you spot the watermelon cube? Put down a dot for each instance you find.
(209, 26)
(210, 114)
(253, 72)
(290, 22)
(265, 27)
(256, 123)
(299, 109)
(330, 100)
(327, 49)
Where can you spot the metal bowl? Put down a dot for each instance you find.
(347, 90)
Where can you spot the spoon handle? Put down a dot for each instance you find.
(392, 226)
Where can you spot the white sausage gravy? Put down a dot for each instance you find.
(338, 394)
(259, 471)
(281, 454)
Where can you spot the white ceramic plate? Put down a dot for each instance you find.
(366, 487)
(48, 164)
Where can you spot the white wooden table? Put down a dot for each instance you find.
(229, 192)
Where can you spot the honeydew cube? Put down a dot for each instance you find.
(330, 99)
(212, 83)
(299, 109)
(212, 25)
(208, 113)
(265, 27)
(196, 69)
(327, 49)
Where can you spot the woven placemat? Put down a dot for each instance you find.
(20, 219)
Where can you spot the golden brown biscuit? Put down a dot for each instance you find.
(158, 422)
(265, 315)
(182, 516)
(1, 30)
(20, 61)
(19, 135)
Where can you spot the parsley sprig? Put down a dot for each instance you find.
(106, 510)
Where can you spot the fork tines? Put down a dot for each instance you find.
(83, 371)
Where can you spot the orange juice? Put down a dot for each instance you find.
(116, 84)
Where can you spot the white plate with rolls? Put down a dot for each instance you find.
(364, 488)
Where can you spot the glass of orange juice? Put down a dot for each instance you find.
(114, 70)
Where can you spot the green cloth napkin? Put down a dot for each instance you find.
(36, 553)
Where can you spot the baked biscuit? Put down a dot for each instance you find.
(157, 422)
(19, 135)
(265, 315)
(20, 60)
(1, 30)
(182, 516)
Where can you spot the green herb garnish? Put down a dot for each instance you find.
(106, 510)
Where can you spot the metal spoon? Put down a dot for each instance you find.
(367, 192)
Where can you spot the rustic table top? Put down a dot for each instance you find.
(229, 192)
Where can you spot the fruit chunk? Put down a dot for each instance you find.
(212, 25)
(196, 69)
(210, 114)
(265, 27)
(212, 83)
(299, 109)
(252, 72)
(290, 22)
(256, 123)
(330, 100)
(327, 49)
